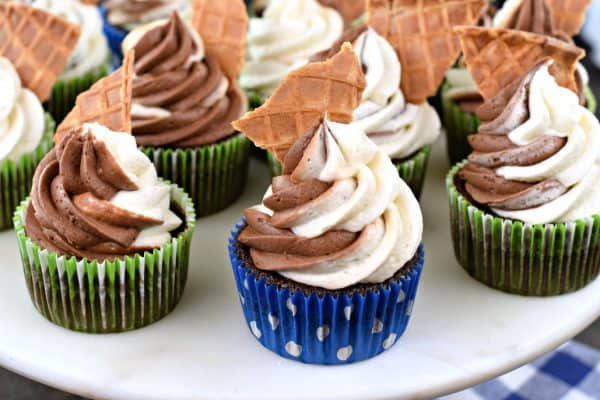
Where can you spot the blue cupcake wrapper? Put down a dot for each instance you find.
(114, 36)
(334, 329)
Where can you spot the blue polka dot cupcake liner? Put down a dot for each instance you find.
(328, 329)
(114, 36)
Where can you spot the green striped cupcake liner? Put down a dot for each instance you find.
(521, 258)
(65, 91)
(459, 124)
(214, 175)
(411, 170)
(110, 296)
(16, 176)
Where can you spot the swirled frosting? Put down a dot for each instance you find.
(397, 127)
(180, 97)
(129, 14)
(97, 196)
(339, 214)
(525, 15)
(284, 38)
(536, 156)
(21, 115)
(91, 50)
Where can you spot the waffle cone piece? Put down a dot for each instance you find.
(107, 102)
(37, 43)
(568, 15)
(302, 100)
(422, 33)
(223, 25)
(498, 57)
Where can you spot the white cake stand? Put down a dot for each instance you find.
(462, 333)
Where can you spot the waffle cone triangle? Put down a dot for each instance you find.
(568, 15)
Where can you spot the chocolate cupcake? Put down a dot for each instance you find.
(525, 207)
(327, 267)
(460, 96)
(185, 97)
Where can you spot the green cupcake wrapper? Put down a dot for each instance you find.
(522, 258)
(459, 124)
(110, 296)
(214, 175)
(65, 91)
(16, 176)
(411, 170)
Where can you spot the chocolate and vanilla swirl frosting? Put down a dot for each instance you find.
(129, 14)
(181, 98)
(536, 156)
(338, 215)
(95, 195)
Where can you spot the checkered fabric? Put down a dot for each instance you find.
(572, 372)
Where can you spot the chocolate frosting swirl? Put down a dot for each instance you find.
(70, 212)
(181, 99)
(532, 16)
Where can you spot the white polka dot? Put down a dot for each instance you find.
(246, 284)
(348, 312)
(293, 349)
(377, 326)
(387, 343)
(255, 329)
(401, 296)
(242, 299)
(273, 320)
(409, 308)
(291, 306)
(344, 353)
(322, 332)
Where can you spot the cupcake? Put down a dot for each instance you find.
(104, 242)
(525, 207)
(460, 97)
(31, 59)
(327, 267)
(89, 61)
(185, 96)
(283, 38)
(394, 111)
(122, 16)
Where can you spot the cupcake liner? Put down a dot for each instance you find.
(65, 91)
(214, 175)
(114, 36)
(255, 99)
(329, 329)
(522, 258)
(412, 170)
(459, 124)
(16, 176)
(110, 296)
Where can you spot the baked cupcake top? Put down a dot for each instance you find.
(129, 14)
(339, 214)
(182, 96)
(31, 59)
(536, 155)
(284, 38)
(95, 195)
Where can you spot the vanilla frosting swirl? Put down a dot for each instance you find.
(284, 38)
(129, 14)
(21, 115)
(340, 214)
(91, 50)
(397, 127)
(97, 196)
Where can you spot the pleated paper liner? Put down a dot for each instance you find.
(114, 36)
(16, 176)
(110, 296)
(412, 170)
(65, 91)
(214, 176)
(459, 124)
(522, 258)
(325, 329)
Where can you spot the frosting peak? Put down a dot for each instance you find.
(131, 13)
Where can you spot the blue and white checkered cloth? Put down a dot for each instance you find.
(572, 372)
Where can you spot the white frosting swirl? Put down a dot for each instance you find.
(153, 197)
(398, 128)
(554, 110)
(284, 38)
(91, 50)
(367, 196)
(21, 115)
